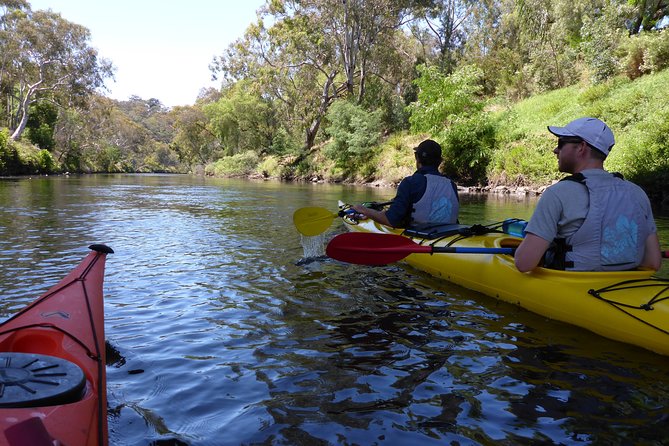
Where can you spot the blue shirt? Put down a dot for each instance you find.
(410, 191)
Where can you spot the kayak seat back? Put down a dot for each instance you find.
(433, 231)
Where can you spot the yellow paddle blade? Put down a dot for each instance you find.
(311, 221)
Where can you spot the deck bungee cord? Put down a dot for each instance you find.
(632, 284)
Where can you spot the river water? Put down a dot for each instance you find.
(221, 331)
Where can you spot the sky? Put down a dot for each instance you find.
(160, 48)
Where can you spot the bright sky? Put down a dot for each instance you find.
(161, 48)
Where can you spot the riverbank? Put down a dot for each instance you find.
(660, 206)
(498, 189)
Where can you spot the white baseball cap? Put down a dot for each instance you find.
(591, 130)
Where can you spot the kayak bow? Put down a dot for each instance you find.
(52, 363)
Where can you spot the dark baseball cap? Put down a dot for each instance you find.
(429, 151)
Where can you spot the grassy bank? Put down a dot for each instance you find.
(637, 112)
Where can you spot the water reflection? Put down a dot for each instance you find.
(223, 330)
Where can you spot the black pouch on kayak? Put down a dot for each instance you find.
(435, 231)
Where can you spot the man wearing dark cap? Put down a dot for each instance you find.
(592, 220)
(425, 197)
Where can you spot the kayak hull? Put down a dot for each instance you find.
(65, 323)
(633, 313)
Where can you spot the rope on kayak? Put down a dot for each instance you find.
(471, 231)
(631, 284)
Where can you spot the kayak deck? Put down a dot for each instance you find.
(59, 339)
(627, 306)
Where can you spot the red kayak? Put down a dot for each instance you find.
(52, 363)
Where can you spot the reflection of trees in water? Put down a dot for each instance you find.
(377, 356)
(593, 399)
(383, 355)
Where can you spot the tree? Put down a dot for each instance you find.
(444, 22)
(194, 142)
(354, 133)
(443, 98)
(41, 123)
(314, 52)
(50, 60)
(152, 115)
(242, 120)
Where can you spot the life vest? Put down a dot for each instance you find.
(439, 203)
(613, 234)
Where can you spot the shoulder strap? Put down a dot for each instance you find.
(580, 178)
(577, 177)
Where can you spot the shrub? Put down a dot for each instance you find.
(270, 167)
(42, 119)
(645, 53)
(4, 140)
(354, 133)
(283, 143)
(44, 162)
(467, 145)
(442, 98)
(600, 45)
(396, 159)
(108, 160)
(41, 136)
(240, 164)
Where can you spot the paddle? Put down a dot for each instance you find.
(380, 249)
(311, 221)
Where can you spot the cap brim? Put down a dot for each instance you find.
(560, 131)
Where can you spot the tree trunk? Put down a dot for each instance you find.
(351, 47)
(326, 100)
(361, 88)
(23, 110)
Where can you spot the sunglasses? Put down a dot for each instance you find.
(564, 141)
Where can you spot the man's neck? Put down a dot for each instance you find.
(589, 164)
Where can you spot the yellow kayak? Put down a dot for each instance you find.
(627, 306)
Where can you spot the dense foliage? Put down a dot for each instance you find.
(337, 90)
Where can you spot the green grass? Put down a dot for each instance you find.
(637, 112)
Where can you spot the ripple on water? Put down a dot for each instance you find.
(223, 331)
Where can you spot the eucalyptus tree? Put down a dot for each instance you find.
(45, 57)
(442, 29)
(289, 65)
(101, 137)
(10, 12)
(525, 46)
(242, 120)
(194, 142)
(304, 54)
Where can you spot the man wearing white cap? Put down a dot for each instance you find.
(592, 220)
